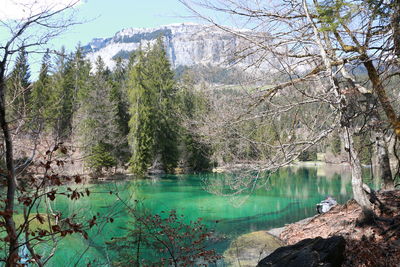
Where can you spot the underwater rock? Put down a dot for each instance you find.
(247, 250)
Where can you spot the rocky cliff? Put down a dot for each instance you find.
(187, 44)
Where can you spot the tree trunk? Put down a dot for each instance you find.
(395, 21)
(382, 95)
(356, 175)
(346, 121)
(382, 162)
(383, 167)
(10, 177)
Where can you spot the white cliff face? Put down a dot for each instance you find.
(186, 44)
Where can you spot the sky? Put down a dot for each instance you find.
(103, 18)
(100, 18)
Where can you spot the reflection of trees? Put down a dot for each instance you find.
(238, 186)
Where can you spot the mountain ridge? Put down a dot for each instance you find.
(187, 44)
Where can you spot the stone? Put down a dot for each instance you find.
(308, 252)
(248, 249)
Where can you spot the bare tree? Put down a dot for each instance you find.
(31, 33)
(311, 49)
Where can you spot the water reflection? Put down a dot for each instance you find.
(230, 204)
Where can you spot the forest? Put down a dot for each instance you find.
(321, 86)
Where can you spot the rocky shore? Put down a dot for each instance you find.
(338, 237)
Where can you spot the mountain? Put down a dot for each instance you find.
(187, 44)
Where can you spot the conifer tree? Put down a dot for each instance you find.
(120, 98)
(18, 86)
(40, 94)
(142, 122)
(70, 78)
(153, 124)
(53, 111)
(97, 121)
(81, 77)
(65, 110)
(162, 81)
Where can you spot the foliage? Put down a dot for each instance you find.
(199, 153)
(100, 157)
(364, 147)
(97, 120)
(142, 122)
(166, 240)
(35, 227)
(333, 13)
(153, 125)
(335, 144)
(308, 155)
(119, 96)
(192, 106)
(59, 109)
(40, 94)
(18, 86)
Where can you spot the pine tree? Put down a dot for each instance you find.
(81, 77)
(70, 78)
(97, 121)
(120, 98)
(53, 111)
(18, 86)
(162, 81)
(40, 95)
(153, 124)
(142, 123)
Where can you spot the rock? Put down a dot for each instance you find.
(277, 231)
(187, 44)
(308, 252)
(248, 249)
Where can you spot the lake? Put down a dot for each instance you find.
(229, 204)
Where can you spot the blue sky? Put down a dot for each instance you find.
(100, 18)
(105, 17)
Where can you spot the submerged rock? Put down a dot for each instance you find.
(248, 249)
(308, 252)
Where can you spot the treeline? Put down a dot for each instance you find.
(132, 116)
(145, 116)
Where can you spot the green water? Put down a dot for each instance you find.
(271, 201)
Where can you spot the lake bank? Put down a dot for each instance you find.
(379, 241)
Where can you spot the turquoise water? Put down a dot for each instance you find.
(229, 204)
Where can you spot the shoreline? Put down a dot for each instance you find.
(379, 238)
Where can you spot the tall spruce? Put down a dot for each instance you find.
(97, 121)
(58, 96)
(40, 95)
(120, 98)
(166, 103)
(18, 86)
(70, 77)
(153, 124)
(142, 123)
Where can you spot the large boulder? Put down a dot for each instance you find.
(308, 252)
(248, 249)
